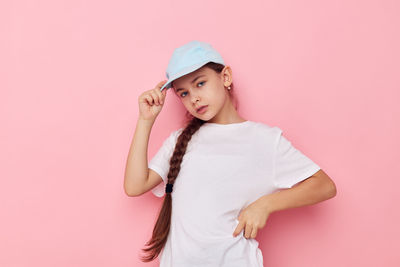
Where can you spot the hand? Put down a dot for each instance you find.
(251, 219)
(152, 101)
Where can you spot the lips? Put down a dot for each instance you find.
(201, 109)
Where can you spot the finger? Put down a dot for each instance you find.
(160, 96)
(164, 89)
(238, 229)
(164, 92)
(247, 231)
(253, 232)
(149, 99)
(155, 97)
(160, 84)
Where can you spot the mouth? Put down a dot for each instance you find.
(202, 109)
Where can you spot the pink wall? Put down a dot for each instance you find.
(326, 72)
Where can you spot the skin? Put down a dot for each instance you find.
(211, 90)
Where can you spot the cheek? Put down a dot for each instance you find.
(211, 94)
(219, 96)
(187, 104)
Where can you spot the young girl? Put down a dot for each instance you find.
(219, 172)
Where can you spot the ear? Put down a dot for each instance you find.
(226, 75)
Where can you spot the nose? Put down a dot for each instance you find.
(194, 97)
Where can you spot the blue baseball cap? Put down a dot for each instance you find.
(188, 58)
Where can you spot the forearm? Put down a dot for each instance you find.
(307, 192)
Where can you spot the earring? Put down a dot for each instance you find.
(229, 88)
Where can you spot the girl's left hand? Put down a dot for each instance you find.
(251, 219)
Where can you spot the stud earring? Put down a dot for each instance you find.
(229, 88)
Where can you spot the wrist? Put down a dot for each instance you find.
(147, 121)
(267, 204)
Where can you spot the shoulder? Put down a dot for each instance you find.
(175, 134)
(264, 134)
(266, 129)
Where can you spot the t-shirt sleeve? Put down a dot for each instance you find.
(291, 166)
(160, 162)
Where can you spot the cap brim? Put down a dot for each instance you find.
(182, 73)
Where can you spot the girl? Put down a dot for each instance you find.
(222, 174)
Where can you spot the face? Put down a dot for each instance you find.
(203, 87)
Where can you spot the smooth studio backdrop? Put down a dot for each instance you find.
(326, 72)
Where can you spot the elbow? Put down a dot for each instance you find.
(331, 189)
(131, 192)
(327, 185)
(131, 189)
(128, 192)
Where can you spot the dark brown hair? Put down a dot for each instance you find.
(162, 225)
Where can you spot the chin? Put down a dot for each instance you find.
(200, 117)
(206, 118)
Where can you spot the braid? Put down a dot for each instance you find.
(161, 228)
(162, 225)
(180, 150)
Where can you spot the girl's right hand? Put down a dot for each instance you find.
(152, 101)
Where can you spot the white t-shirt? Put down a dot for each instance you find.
(225, 168)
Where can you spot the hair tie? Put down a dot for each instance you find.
(168, 188)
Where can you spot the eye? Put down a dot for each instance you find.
(197, 85)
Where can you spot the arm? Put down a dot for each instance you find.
(316, 188)
(136, 170)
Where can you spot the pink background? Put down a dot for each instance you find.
(326, 72)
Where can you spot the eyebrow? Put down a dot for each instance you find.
(177, 90)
